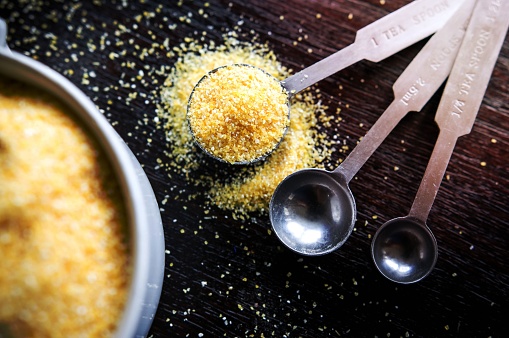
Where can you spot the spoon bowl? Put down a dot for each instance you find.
(313, 211)
(404, 250)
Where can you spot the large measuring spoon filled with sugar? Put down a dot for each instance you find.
(404, 250)
(239, 114)
(313, 211)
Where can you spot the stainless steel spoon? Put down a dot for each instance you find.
(404, 249)
(313, 211)
(375, 42)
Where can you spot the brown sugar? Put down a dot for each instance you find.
(248, 189)
(238, 113)
(65, 268)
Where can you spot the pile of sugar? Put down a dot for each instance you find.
(250, 187)
(64, 266)
(238, 113)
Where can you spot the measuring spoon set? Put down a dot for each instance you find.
(313, 211)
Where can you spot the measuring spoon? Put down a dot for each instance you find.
(404, 250)
(313, 210)
(374, 42)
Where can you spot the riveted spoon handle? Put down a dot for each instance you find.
(380, 39)
(463, 93)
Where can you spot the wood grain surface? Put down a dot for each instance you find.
(232, 278)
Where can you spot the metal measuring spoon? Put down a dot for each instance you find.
(375, 42)
(313, 210)
(404, 249)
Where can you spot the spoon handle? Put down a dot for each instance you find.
(414, 87)
(379, 40)
(463, 93)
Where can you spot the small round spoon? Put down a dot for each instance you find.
(404, 250)
(371, 43)
(312, 210)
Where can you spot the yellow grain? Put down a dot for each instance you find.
(248, 189)
(238, 113)
(64, 267)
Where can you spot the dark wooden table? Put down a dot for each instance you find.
(232, 278)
